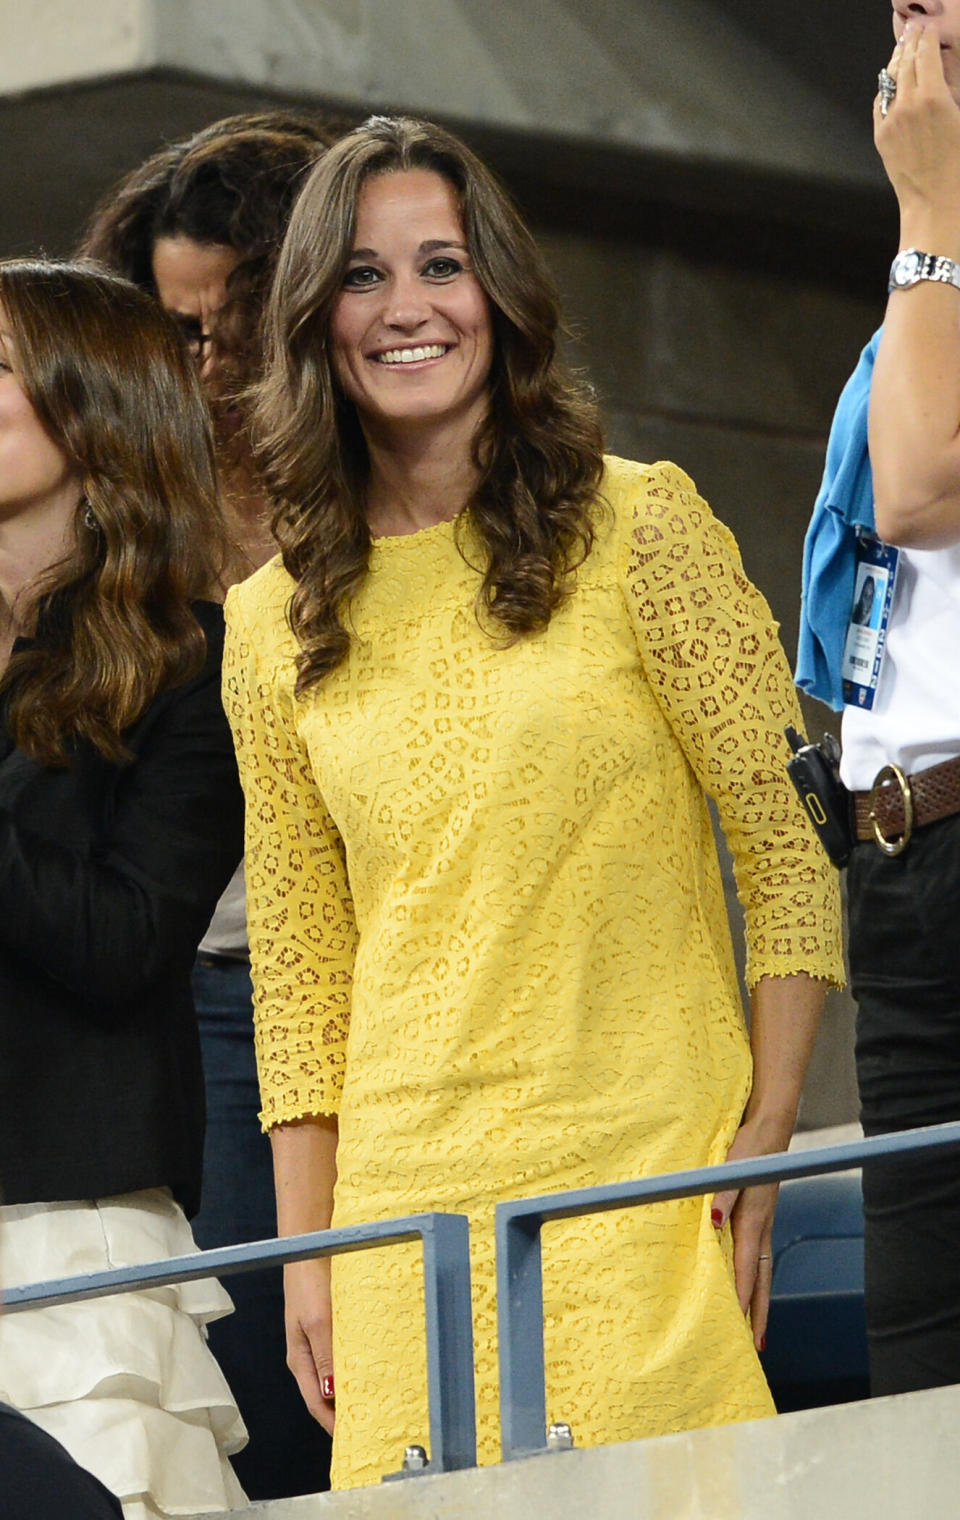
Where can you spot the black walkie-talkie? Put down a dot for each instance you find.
(815, 772)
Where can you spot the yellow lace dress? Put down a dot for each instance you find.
(488, 930)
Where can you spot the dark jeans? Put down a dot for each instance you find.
(288, 1452)
(905, 971)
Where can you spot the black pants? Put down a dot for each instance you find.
(905, 971)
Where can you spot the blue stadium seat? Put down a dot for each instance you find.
(816, 1349)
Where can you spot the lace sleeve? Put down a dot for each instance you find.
(712, 654)
(299, 909)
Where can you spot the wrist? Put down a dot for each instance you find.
(771, 1125)
(932, 234)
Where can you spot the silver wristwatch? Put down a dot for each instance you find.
(911, 266)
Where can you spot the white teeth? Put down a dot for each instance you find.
(411, 355)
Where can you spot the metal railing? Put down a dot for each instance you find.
(446, 1266)
(519, 1266)
(447, 1305)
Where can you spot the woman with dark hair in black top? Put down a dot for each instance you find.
(120, 822)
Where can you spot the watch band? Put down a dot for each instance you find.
(913, 265)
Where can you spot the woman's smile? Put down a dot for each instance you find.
(416, 355)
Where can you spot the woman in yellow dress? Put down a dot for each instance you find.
(478, 701)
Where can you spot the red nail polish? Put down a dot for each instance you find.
(326, 1388)
(716, 1218)
(763, 1343)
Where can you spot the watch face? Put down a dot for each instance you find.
(906, 268)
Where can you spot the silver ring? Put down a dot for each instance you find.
(887, 90)
(765, 1258)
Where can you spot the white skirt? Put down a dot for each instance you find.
(126, 1383)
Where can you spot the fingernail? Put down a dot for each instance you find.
(716, 1218)
(326, 1387)
(763, 1343)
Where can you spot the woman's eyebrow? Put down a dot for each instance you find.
(429, 246)
(433, 243)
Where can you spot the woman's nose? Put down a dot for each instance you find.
(407, 307)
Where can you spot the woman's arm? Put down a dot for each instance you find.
(783, 1027)
(712, 655)
(303, 942)
(305, 1171)
(300, 917)
(915, 396)
(107, 915)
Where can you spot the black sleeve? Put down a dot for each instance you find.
(105, 921)
(39, 1481)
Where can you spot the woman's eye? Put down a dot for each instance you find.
(442, 267)
(360, 276)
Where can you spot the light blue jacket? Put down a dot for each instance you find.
(843, 506)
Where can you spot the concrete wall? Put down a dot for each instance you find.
(51, 42)
(888, 1459)
(680, 76)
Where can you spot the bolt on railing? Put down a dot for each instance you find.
(519, 1264)
(446, 1277)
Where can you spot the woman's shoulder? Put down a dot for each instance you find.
(629, 485)
(656, 503)
(256, 616)
(261, 601)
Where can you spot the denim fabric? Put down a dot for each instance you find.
(288, 1452)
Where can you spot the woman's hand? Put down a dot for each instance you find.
(751, 1212)
(309, 1325)
(919, 142)
(305, 1171)
(783, 1026)
(915, 394)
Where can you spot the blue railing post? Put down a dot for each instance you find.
(449, 1324)
(523, 1394)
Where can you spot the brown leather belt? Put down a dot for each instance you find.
(897, 804)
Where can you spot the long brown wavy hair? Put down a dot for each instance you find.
(231, 184)
(110, 381)
(538, 452)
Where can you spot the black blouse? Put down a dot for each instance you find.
(108, 877)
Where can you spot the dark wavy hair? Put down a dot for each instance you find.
(232, 184)
(107, 374)
(538, 452)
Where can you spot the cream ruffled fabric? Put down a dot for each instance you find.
(127, 1383)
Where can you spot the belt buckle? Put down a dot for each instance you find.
(898, 845)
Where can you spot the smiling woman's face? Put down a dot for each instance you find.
(411, 337)
(945, 16)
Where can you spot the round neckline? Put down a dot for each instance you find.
(417, 536)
